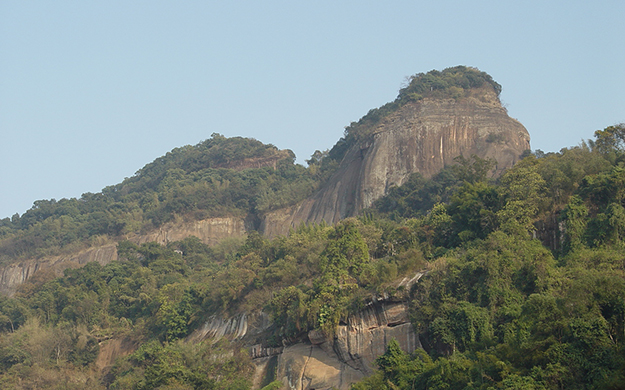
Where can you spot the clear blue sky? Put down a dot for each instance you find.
(90, 91)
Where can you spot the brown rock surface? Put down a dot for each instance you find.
(304, 366)
(210, 231)
(348, 356)
(423, 137)
(13, 275)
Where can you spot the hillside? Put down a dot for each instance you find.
(220, 177)
(240, 184)
(469, 276)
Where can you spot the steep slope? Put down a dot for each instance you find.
(421, 136)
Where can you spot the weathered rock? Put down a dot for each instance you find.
(112, 349)
(304, 366)
(210, 231)
(346, 357)
(242, 326)
(422, 137)
(217, 328)
(367, 334)
(13, 275)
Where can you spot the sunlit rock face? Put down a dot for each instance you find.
(422, 137)
(337, 361)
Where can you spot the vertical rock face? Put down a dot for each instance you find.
(366, 335)
(209, 231)
(423, 137)
(337, 362)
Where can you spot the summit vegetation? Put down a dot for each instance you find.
(451, 83)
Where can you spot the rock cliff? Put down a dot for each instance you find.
(13, 275)
(422, 136)
(210, 231)
(319, 361)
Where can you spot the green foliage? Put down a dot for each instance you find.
(611, 141)
(182, 365)
(345, 255)
(275, 385)
(522, 191)
(498, 310)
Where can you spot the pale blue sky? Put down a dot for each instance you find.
(90, 91)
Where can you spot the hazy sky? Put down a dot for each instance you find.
(91, 91)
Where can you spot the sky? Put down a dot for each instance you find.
(91, 91)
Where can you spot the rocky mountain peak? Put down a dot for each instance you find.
(415, 134)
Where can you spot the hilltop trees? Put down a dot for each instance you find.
(215, 178)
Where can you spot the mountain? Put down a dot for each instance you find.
(225, 186)
(416, 135)
(412, 267)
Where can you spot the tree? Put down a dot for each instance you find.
(396, 366)
(611, 139)
(522, 189)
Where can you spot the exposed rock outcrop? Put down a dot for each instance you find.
(233, 328)
(423, 137)
(210, 231)
(112, 349)
(13, 275)
(349, 355)
(319, 362)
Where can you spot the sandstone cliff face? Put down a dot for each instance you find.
(423, 137)
(13, 275)
(350, 355)
(209, 231)
(320, 362)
